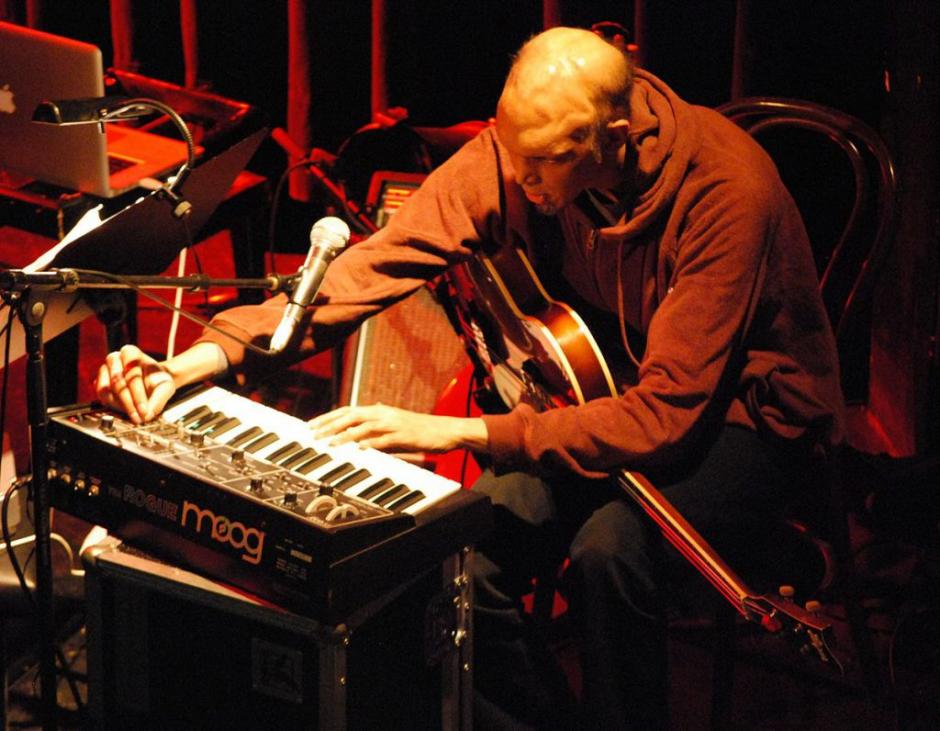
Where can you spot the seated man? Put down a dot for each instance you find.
(670, 232)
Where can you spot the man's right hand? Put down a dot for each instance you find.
(133, 382)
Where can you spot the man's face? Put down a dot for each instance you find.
(550, 164)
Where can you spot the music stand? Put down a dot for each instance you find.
(143, 238)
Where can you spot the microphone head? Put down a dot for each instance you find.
(330, 231)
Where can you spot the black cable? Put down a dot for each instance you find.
(8, 331)
(24, 584)
(342, 198)
(191, 245)
(8, 540)
(466, 453)
(275, 204)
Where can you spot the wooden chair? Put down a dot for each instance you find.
(842, 177)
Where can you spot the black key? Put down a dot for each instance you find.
(410, 499)
(318, 461)
(247, 435)
(298, 457)
(386, 497)
(283, 452)
(350, 480)
(204, 425)
(262, 442)
(223, 426)
(376, 488)
(336, 473)
(199, 412)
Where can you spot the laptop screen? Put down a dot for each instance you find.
(35, 66)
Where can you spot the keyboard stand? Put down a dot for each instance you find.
(168, 647)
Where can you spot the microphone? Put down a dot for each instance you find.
(327, 238)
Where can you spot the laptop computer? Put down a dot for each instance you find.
(37, 66)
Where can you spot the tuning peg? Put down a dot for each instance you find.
(787, 591)
(813, 606)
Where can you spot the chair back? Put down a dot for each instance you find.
(842, 178)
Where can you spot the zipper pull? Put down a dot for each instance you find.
(592, 240)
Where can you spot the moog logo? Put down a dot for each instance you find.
(248, 540)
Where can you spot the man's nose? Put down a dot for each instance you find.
(526, 174)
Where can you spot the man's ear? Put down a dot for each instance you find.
(617, 131)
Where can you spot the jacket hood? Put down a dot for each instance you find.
(664, 136)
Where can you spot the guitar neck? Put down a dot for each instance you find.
(688, 542)
(773, 613)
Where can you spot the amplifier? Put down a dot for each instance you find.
(169, 649)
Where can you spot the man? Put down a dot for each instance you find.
(670, 232)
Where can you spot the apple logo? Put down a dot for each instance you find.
(6, 100)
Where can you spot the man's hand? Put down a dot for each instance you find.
(133, 382)
(390, 429)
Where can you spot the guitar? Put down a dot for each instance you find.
(535, 350)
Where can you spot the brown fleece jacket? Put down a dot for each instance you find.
(710, 262)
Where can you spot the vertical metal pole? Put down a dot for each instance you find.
(122, 34)
(189, 33)
(379, 88)
(298, 90)
(740, 63)
(640, 34)
(31, 314)
(332, 682)
(551, 13)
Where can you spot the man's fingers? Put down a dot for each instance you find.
(334, 421)
(134, 378)
(132, 366)
(131, 355)
(103, 388)
(121, 395)
(162, 389)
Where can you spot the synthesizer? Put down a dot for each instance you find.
(243, 493)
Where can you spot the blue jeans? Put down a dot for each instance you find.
(620, 581)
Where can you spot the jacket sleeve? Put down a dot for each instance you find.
(689, 360)
(438, 226)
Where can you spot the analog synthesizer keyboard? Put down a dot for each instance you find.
(244, 493)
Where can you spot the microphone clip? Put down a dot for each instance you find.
(181, 207)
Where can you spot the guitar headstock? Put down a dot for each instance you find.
(806, 627)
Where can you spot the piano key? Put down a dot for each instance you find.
(310, 465)
(386, 497)
(249, 433)
(343, 453)
(197, 413)
(282, 452)
(337, 472)
(261, 442)
(351, 479)
(375, 488)
(224, 426)
(301, 457)
(204, 425)
(403, 502)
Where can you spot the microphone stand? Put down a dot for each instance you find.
(17, 288)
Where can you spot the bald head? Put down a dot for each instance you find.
(569, 77)
(563, 117)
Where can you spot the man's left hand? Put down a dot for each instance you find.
(391, 429)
